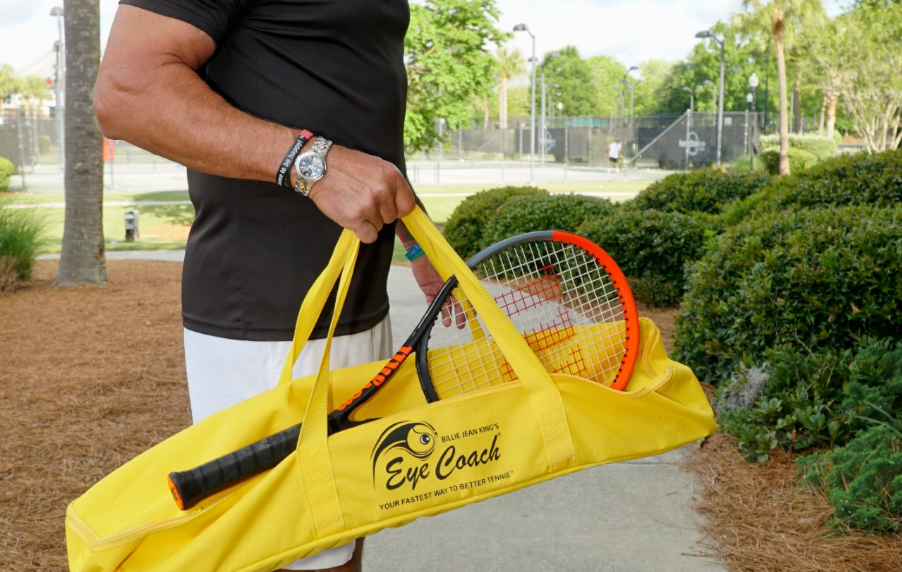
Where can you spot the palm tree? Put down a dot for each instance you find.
(781, 19)
(82, 259)
(510, 65)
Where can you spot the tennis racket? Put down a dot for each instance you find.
(563, 293)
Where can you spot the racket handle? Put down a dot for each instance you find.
(194, 485)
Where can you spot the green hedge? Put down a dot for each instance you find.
(818, 145)
(6, 172)
(652, 248)
(850, 180)
(799, 160)
(468, 221)
(20, 238)
(863, 480)
(706, 191)
(553, 212)
(805, 279)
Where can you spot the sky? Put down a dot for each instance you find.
(631, 31)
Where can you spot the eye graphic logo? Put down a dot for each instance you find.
(415, 438)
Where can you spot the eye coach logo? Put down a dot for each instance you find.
(403, 453)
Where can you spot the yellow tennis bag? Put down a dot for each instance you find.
(339, 487)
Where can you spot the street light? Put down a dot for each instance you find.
(753, 84)
(708, 34)
(60, 49)
(532, 133)
(548, 58)
(623, 93)
(691, 98)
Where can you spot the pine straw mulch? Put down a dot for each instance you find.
(90, 377)
(761, 520)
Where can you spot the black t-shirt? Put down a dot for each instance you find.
(334, 67)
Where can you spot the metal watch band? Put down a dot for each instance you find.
(320, 147)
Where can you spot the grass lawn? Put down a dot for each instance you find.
(165, 227)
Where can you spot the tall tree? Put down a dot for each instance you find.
(606, 75)
(510, 65)
(648, 88)
(9, 82)
(856, 60)
(82, 258)
(573, 74)
(448, 63)
(781, 19)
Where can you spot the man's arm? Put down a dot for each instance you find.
(148, 92)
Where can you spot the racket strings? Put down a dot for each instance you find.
(559, 298)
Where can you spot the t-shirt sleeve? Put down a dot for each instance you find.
(214, 17)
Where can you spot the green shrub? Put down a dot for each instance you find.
(799, 160)
(806, 279)
(706, 191)
(875, 382)
(468, 221)
(818, 145)
(652, 248)
(849, 180)
(552, 212)
(20, 239)
(863, 480)
(789, 401)
(6, 172)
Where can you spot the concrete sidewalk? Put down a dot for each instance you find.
(626, 517)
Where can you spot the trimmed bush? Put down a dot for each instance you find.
(860, 179)
(805, 279)
(6, 172)
(863, 480)
(799, 160)
(652, 248)
(818, 145)
(552, 212)
(706, 191)
(20, 238)
(789, 401)
(468, 221)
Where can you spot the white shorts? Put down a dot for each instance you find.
(222, 372)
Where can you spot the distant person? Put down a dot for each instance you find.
(615, 150)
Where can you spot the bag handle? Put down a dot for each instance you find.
(313, 458)
(545, 396)
(318, 480)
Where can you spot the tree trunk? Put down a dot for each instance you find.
(502, 104)
(797, 106)
(82, 259)
(820, 127)
(832, 100)
(784, 112)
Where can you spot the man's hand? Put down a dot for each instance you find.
(363, 193)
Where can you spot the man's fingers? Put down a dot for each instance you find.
(366, 232)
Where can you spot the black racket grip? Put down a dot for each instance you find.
(194, 485)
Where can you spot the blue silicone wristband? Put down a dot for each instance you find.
(415, 252)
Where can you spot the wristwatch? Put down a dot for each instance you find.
(310, 166)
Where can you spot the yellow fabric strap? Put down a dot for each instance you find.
(315, 301)
(544, 393)
(313, 457)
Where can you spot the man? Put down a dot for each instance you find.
(290, 118)
(614, 152)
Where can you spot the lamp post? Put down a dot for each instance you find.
(548, 58)
(532, 134)
(708, 34)
(753, 84)
(623, 92)
(691, 98)
(60, 48)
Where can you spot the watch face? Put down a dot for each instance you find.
(311, 167)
